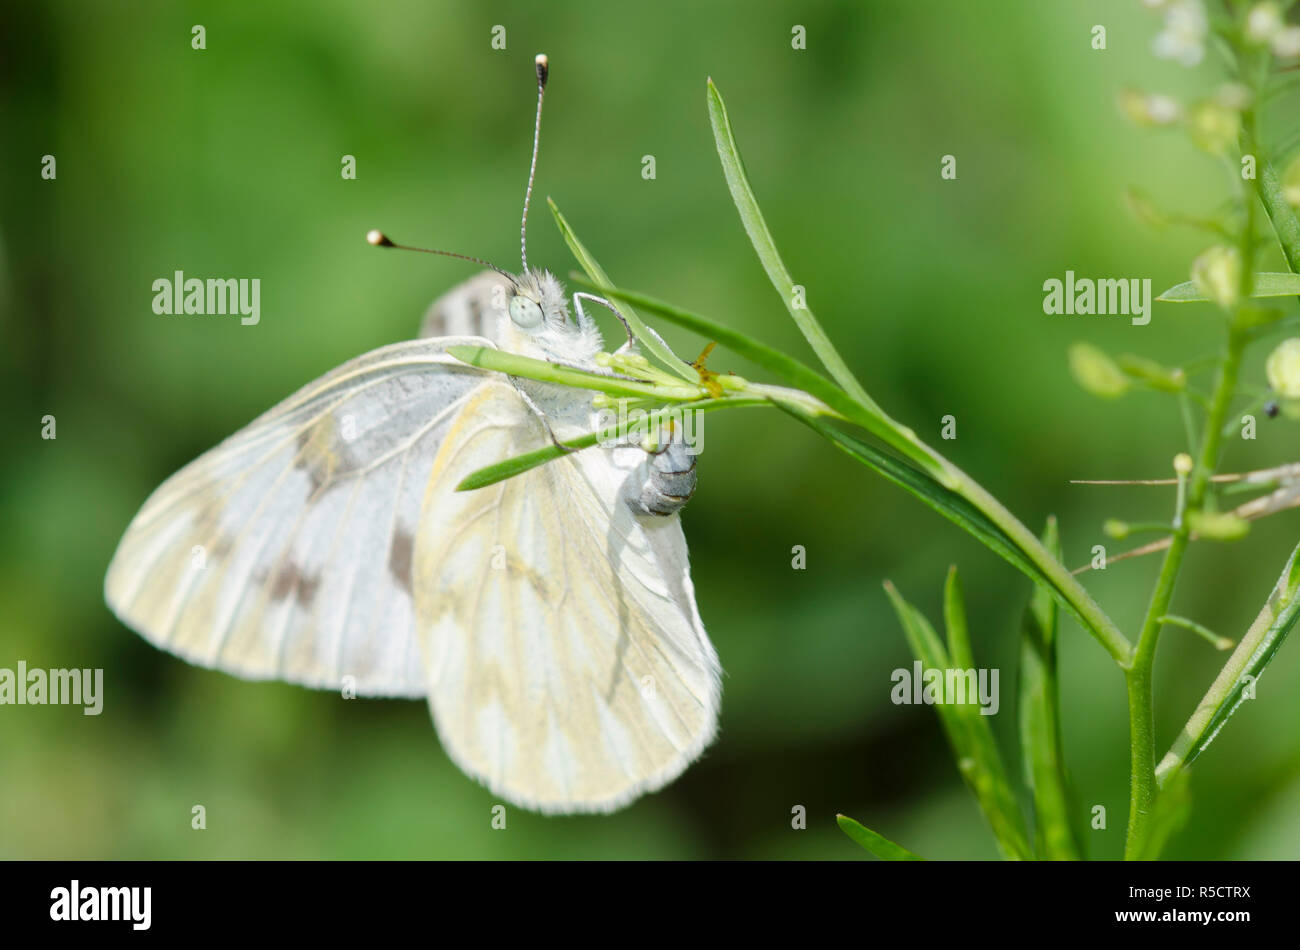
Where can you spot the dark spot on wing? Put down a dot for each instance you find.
(399, 558)
(307, 591)
(291, 580)
(221, 547)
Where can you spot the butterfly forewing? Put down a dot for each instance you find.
(285, 551)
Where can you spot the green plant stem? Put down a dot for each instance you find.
(1143, 785)
(1138, 675)
(1251, 407)
(1142, 739)
(1202, 631)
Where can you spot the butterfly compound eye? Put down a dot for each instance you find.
(525, 313)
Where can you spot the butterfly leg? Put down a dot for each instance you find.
(585, 321)
(537, 410)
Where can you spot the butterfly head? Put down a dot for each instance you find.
(541, 323)
(538, 303)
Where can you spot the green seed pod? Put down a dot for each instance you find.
(1283, 368)
(1096, 372)
(1153, 374)
(1218, 526)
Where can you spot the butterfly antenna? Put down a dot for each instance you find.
(543, 70)
(380, 239)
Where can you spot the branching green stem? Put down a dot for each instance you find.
(1138, 674)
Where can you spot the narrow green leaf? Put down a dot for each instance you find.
(597, 273)
(1235, 683)
(990, 780)
(867, 415)
(487, 357)
(947, 503)
(1152, 374)
(509, 468)
(759, 235)
(1267, 284)
(1040, 722)
(1272, 194)
(968, 733)
(925, 643)
(491, 474)
(954, 622)
(877, 844)
(1041, 606)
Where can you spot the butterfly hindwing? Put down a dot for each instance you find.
(568, 666)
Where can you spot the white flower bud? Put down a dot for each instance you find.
(1286, 45)
(1183, 38)
(1264, 22)
(1149, 108)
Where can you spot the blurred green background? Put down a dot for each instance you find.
(226, 162)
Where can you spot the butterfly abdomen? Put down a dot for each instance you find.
(670, 480)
